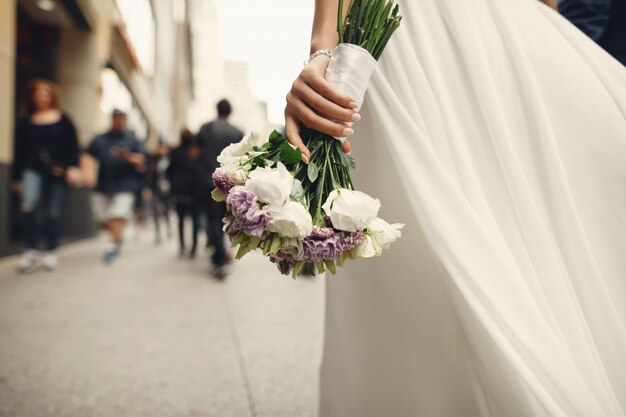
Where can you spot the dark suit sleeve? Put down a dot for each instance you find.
(204, 136)
(590, 16)
(173, 165)
(20, 150)
(93, 148)
(240, 134)
(72, 140)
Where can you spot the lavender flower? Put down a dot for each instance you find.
(323, 244)
(247, 215)
(351, 240)
(286, 257)
(283, 266)
(222, 181)
(285, 261)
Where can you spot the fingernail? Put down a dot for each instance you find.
(349, 153)
(348, 132)
(356, 117)
(353, 105)
(305, 159)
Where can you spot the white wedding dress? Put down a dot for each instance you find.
(497, 132)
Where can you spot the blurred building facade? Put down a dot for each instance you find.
(249, 113)
(216, 78)
(136, 55)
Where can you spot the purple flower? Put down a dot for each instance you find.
(222, 181)
(286, 257)
(247, 215)
(323, 244)
(284, 267)
(351, 240)
(229, 229)
(284, 261)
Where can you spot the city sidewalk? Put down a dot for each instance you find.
(153, 335)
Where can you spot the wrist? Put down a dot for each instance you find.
(324, 43)
(321, 54)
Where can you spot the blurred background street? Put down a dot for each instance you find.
(91, 325)
(153, 335)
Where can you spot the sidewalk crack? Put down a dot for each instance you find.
(241, 363)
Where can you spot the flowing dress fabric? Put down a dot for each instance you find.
(497, 131)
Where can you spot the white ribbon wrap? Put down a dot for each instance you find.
(350, 71)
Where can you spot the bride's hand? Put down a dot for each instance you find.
(314, 102)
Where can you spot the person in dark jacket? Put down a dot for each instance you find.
(213, 138)
(46, 160)
(185, 174)
(158, 185)
(604, 21)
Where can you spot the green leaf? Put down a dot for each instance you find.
(267, 245)
(289, 155)
(239, 239)
(218, 195)
(276, 242)
(313, 171)
(255, 241)
(330, 265)
(276, 137)
(247, 246)
(346, 160)
(297, 268)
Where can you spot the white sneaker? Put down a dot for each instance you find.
(29, 262)
(50, 261)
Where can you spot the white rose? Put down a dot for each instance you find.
(297, 191)
(351, 210)
(290, 220)
(272, 185)
(233, 153)
(237, 173)
(293, 246)
(256, 139)
(368, 249)
(384, 233)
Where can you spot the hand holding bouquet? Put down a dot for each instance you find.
(309, 215)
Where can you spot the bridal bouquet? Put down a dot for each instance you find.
(309, 216)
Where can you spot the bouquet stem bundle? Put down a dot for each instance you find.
(370, 25)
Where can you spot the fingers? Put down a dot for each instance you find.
(313, 102)
(292, 130)
(322, 105)
(306, 115)
(318, 83)
(347, 147)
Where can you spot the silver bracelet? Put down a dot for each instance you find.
(326, 52)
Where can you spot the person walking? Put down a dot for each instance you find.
(122, 158)
(46, 161)
(213, 138)
(159, 188)
(186, 175)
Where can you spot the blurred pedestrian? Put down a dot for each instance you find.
(186, 174)
(122, 158)
(604, 21)
(46, 161)
(213, 138)
(159, 188)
